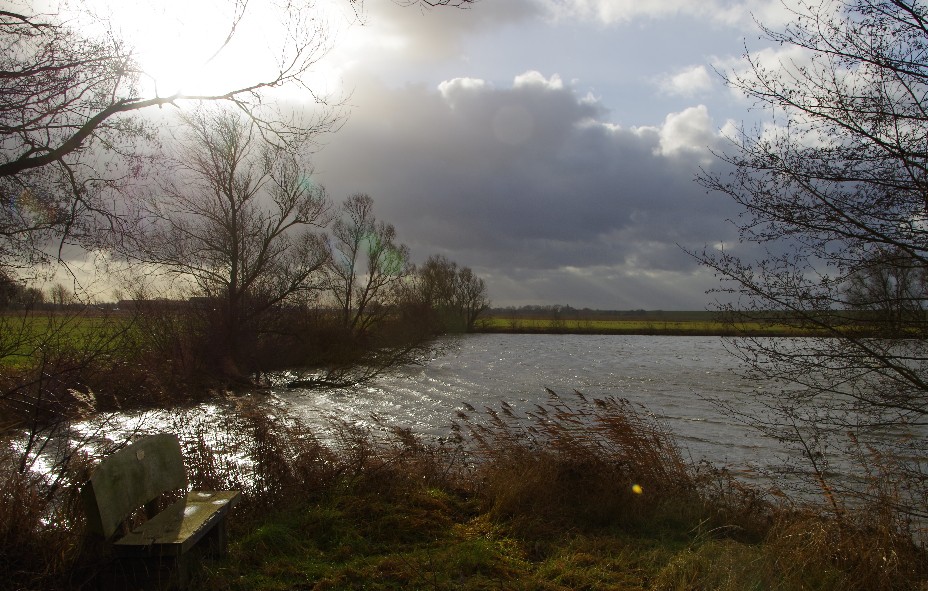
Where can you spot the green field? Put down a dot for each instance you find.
(669, 323)
(27, 337)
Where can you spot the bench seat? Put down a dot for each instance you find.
(175, 529)
(161, 551)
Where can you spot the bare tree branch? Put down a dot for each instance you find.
(835, 200)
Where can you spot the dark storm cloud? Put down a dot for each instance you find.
(530, 182)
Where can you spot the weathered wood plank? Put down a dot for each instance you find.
(131, 478)
(178, 527)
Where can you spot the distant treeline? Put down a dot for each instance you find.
(567, 311)
(851, 322)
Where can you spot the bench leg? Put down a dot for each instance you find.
(216, 542)
(141, 567)
(168, 571)
(151, 573)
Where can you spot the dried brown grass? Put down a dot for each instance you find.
(573, 465)
(855, 557)
(588, 463)
(277, 460)
(41, 536)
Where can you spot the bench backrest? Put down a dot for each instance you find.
(130, 478)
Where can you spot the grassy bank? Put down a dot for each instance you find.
(668, 323)
(581, 494)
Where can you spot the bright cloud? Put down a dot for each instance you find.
(449, 89)
(534, 78)
(690, 131)
(729, 12)
(687, 82)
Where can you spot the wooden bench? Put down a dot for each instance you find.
(156, 552)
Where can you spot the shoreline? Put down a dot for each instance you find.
(650, 331)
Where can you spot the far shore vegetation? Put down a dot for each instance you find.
(568, 320)
(559, 319)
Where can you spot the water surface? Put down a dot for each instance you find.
(671, 376)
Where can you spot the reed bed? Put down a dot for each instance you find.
(576, 493)
(580, 463)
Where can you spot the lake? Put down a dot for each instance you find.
(672, 377)
(669, 375)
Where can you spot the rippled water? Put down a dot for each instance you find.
(670, 376)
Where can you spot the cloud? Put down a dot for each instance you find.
(385, 34)
(689, 131)
(612, 11)
(687, 82)
(533, 78)
(391, 32)
(450, 88)
(787, 62)
(530, 180)
(728, 12)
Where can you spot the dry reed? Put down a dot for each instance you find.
(578, 463)
(573, 464)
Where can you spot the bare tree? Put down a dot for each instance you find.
(891, 291)
(70, 134)
(16, 295)
(367, 265)
(436, 285)
(60, 295)
(369, 280)
(70, 131)
(835, 194)
(453, 295)
(238, 221)
(471, 297)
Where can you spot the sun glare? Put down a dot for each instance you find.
(185, 47)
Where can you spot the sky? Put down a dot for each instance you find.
(550, 145)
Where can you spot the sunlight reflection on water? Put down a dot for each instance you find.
(666, 375)
(669, 377)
